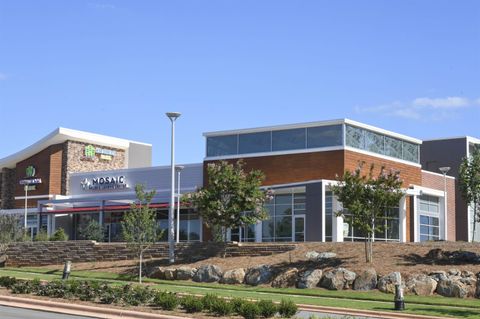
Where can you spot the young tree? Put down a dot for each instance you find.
(139, 228)
(10, 231)
(93, 231)
(469, 183)
(232, 198)
(366, 198)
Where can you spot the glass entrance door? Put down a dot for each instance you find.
(299, 228)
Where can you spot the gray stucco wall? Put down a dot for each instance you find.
(314, 212)
(449, 152)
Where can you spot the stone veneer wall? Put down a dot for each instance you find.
(7, 190)
(49, 253)
(74, 161)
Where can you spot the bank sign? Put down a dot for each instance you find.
(104, 183)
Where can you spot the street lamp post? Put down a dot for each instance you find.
(26, 208)
(171, 231)
(178, 169)
(444, 171)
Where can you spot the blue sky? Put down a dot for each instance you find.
(115, 67)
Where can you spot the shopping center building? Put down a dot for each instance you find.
(301, 162)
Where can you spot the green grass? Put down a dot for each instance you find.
(427, 305)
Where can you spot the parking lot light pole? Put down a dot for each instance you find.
(171, 231)
(178, 169)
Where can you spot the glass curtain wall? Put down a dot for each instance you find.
(282, 210)
(389, 224)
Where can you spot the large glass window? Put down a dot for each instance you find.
(410, 152)
(324, 136)
(288, 139)
(393, 147)
(389, 227)
(254, 142)
(429, 228)
(222, 145)
(281, 210)
(381, 144)
(374, 142)
(355, 137)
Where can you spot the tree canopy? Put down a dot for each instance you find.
(469, 182)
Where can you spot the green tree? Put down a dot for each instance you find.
(469, 182)
(93, 231)
(231, 198)
(366, 198)
(10, 231)
(139, 228)
(59, 235)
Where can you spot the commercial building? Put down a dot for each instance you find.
(301, 162)
(449, 152)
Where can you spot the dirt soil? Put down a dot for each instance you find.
(408, 258)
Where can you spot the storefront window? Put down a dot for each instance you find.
(328, 215)
(388, 227)
(429, 209)
(281, 210)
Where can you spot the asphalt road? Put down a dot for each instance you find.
(19, 313)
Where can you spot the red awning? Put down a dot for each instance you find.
(94, 209)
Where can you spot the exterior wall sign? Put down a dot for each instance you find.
(103, 183)
(105, 154)
(30, 179)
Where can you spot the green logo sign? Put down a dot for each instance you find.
(89, 151)
(30, 171)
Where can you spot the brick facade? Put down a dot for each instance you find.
(436, 181)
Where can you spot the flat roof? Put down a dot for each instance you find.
(61, 135)
(466, 137)
(312, 124)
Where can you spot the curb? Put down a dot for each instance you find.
(80, 310)
(111, 313)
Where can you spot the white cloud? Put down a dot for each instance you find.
(422, 108)
(3, 76)
(450, 102)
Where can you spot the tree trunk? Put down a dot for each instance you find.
(474, 220)
(370, 243)
(140, 268)
(224, 236)
(366, 249)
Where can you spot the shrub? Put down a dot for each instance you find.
(249, 310)
(54, 289)
(267, 308)
(59, 235)
(208, 300)
(41, 235)
(93, 231)
(166, 300)
(7, 282)
(110, 295)
(21, 287)
(191, 304)
(222, 308)
(134, 296)
(237, 303)
(287, 308)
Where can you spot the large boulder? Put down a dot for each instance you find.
(387, 283)
(258, 275)
(185, 273)
(438, 275)
(421, 285)
(208, 273)
(367, 280)
(338, 279)
(453, 288)
(286, 278)
(234, 276)
(309, 278)
(316, 256)
(163, 273)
